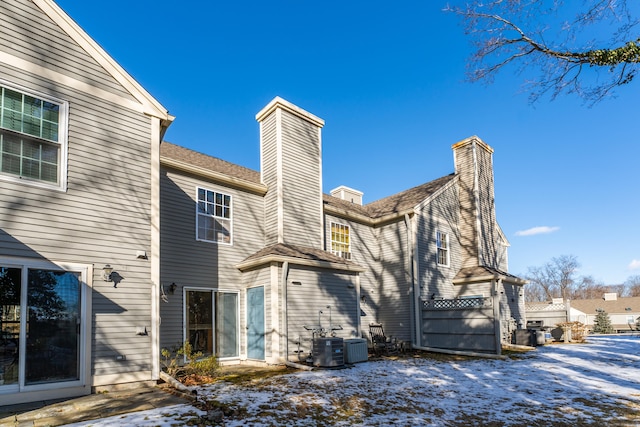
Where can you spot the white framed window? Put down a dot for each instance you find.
(442, 245)
(340, 240)
(213, 217)
(33, 138)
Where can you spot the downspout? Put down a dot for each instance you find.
(414, 285)
(283, 284)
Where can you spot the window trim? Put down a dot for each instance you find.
(198, 215)
(85, 354)
(185, 316)
(341, 254)
(63, 143)
(446, 249)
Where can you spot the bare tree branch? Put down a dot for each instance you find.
(507, 32)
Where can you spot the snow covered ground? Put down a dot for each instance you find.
(597, 383)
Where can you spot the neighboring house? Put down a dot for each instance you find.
(252, 261)
(621, 311)
(79, 173)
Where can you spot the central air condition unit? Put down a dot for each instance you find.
(355, 350)
(328, 352)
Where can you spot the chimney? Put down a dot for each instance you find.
(610, 296)
(291, 167)
(348, 194)
(479, 235)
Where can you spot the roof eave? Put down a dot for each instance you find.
(257, 262)
(150, 105)
(253, 187)
(489, 278)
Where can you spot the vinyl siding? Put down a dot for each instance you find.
(489, 236)
(103, 217)
(443, 215)
(191, 263)
(301, 182)
(465, 167)
(317, 290)
(365, 252)
(270, 177)
(394, 288)
(28, 33)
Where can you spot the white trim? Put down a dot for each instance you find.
(150, 105)
(63, 139)
(155, 247)
(331, 241)
(54, 389)
(447, 248)
(66, 80)
(278, 103)
(279, 178)
(274, 328)
(230, 219)
(214, 325)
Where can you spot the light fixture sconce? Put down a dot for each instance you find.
(106, 273)
(172, 288)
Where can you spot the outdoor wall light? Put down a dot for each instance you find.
(172, 288)
(106, 273)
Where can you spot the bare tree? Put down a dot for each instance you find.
(632, 285)
(557, 40)
(556, 279)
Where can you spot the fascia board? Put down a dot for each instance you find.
(259, 189)
(278, 102)
(150, 105)
(437, 193)
(243, 266)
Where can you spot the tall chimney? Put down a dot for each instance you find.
(291, 167)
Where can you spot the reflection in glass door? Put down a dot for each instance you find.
(53, 325)
(10, 288)
(39, 326)
(212, 322)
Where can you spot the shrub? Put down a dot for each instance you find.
(173, 362)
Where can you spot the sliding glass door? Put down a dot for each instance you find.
(212, 322)
(40, 323)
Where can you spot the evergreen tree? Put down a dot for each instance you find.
(602, 324)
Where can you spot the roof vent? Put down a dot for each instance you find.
(348, 194)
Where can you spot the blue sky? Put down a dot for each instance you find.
(389, 80)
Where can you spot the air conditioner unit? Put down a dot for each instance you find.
(328, 352)
(355, 350)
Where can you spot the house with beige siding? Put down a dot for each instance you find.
(79, 222)
(275, 261)
(114, 244)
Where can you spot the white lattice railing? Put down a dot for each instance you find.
(545, 307)
(457, 304)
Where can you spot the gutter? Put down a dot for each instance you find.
(243, 184)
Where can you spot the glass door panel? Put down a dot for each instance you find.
(53, 327)
(227, 324)
(10, 289)
(200, 321)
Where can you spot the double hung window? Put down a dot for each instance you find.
(32, 138)
(340, 240)
(213, 218)
(442, 247)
